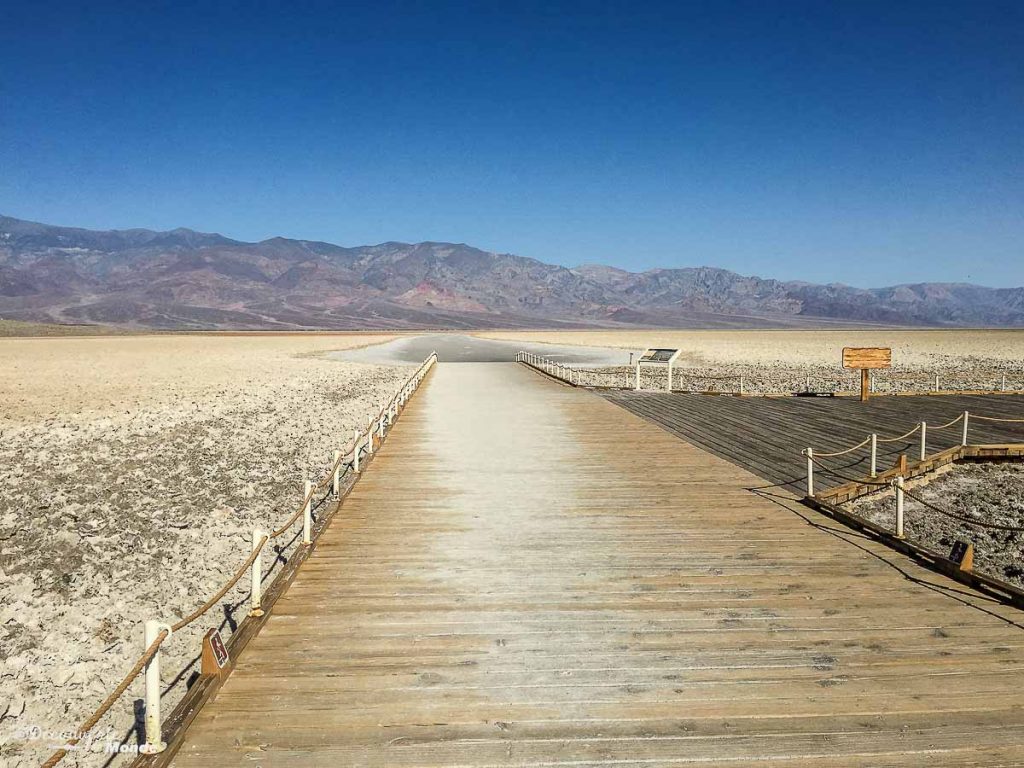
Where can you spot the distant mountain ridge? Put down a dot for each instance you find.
(187, 279)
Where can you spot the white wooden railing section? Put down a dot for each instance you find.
(754, 382)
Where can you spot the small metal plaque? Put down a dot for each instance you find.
(659, 355)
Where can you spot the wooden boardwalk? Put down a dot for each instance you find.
(766, 435)
(530, 575)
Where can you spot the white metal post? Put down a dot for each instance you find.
(670, 376)
(255, 593)
(336, 480)
(380, 430)
(1002, 386)
(936, 383)
(307, 511)
(638, 377)
(355, 450)
(369, 434)
(874, 454)
(809, 453)
(807, 384)
(741, 384)
(154, 742)
(963, 431)
(899, 507)
(924, 439)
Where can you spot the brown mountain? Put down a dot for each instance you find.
(186, 279)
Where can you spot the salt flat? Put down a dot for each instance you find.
(132, 471)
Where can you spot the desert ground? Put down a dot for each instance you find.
(133, 469)
(773, 361)
(989, 492)
(132, 472)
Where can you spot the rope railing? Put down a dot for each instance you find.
(961, 518)
(949, 424)
(752, 381)
(964, 419)
(899, 438)
(156, 633)
(143, 661)
(922, 427)
(898, 483)
(848, 450)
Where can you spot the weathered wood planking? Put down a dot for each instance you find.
(867, 357)
(766, 435)
(529, 575)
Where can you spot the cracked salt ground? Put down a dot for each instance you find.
(105, 522)
(990, 492)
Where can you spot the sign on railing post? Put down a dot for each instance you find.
(215, 654)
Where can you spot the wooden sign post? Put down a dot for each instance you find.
(866, 359)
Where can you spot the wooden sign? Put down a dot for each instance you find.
(867, 357)
(215, 653)
(962, 555)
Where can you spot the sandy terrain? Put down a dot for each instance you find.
(132, 471)
(783, 361)
(989, 492)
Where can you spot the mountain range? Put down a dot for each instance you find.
(186, 279)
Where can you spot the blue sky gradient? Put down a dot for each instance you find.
(859, 142)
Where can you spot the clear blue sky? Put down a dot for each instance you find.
(858, 142)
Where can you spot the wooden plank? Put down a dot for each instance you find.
(867, 357)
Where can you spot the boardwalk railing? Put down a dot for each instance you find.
(757, 383)
(896, 478)
(552, 368)
(871, 441)
(362, 444)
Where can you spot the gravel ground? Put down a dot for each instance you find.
(137, 502)
(967, 373)
(991, 492)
